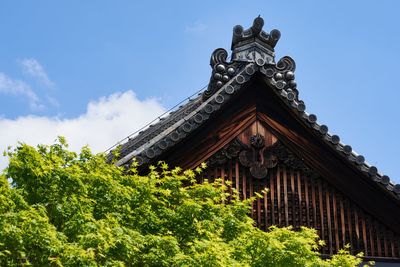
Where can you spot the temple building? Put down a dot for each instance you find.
(251, 128)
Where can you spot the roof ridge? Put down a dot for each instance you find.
(157, 120)
(226, 80)
(333, 140)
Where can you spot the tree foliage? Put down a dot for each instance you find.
(69, 209)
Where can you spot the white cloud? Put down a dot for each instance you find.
(34, 69)
(196, 27)
(19, 88)
(105, 122)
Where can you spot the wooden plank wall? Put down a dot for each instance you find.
(297, 199)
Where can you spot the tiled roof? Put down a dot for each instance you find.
(252, 53)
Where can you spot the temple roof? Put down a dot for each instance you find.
(252, 53)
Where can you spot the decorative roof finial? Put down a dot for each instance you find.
(248, 46)
(254, 43)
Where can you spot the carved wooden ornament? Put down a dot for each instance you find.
(257, 158)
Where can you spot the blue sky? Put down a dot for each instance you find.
(95, 71)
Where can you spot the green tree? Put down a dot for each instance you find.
(67, 209)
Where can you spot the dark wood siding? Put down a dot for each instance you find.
(305, 198)
(297, 199)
